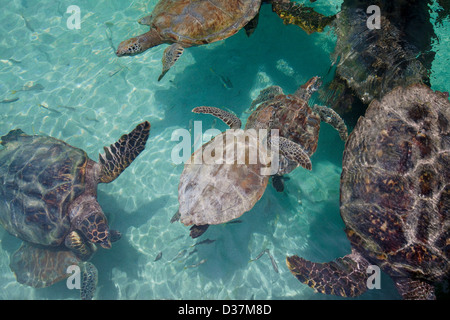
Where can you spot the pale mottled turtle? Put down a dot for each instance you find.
(214, 193)
(395, 198)
(48, 193)
(187, 23)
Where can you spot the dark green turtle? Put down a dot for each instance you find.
(187, 23)
(395, 198)
(215, 193)
(48, 192)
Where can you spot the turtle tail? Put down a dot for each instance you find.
(345, 277)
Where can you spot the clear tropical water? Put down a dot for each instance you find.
(69, 84)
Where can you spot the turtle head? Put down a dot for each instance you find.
(306, 90)
(129, 47)
(139, 44)
(88, 218)
(95, 228)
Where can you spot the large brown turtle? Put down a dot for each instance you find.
(187, 23)
(48, 192)
(395, 198)
(214, 193)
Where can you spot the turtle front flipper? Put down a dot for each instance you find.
(83, 249)
(331, 117)
(121, 154)
(196, 231)
(89, 279)
(304, 17)
(170, 56)
(230, 119)
(292, 151)
(345, 277)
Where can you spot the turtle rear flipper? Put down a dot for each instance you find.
(11, 136)
(345, 277)
(331, 117)
(412, 289)
(40, 267)
(89, 279)
(121, 154)
(304, 17)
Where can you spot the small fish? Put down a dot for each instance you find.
(9, 100)
(259, 255)
(226, 82)
(206, 241)
(36, 87)
(109, 35)
(234, 221)
(27, 24)
(50, 109)
(68, 108)
(274, 264)
(159, 256)
(192, 252)
(179, 255)
(196, 265)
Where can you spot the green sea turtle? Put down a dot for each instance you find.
(215, 193)
(187, 23)
(48, 192)
(395, 198)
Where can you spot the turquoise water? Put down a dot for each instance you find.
(69, 84)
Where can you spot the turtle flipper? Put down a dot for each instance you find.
(121, 154)
(11, 136)
(89, 279)
(82, 249)
(230, 119)
(304, 17)
(412, 289)
(330, 116)
(251, 25)
(292, 151)
(345, 277)
(265, 95)
(40, 267)
(146, 21)
(197, 231)
(170, 56)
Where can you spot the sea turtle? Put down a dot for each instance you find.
(48, 193)
(187, 23)
(217, 192)
(371, 61)
(395, 198)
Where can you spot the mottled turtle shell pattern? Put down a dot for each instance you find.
(395, 184)
(39, 177)
(294, 119)
(196, 22)
(218, 193)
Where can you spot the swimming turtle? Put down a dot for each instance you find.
(395, 198)
(218, 191)
(370, 62)
(187, 23)
(48, 193)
